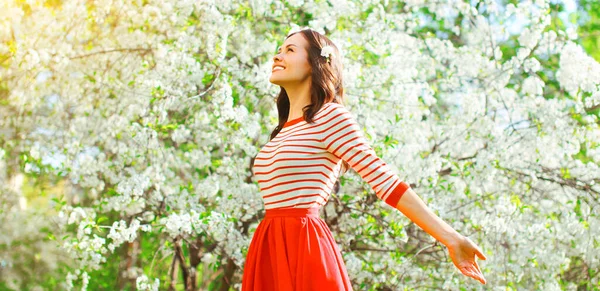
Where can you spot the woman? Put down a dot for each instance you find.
(316, 140)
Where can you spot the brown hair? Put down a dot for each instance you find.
(326, 85)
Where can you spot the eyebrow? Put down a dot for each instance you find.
(287, 46)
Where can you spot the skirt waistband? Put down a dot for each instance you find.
(292, 212)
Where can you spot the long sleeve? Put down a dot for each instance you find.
(343, 137)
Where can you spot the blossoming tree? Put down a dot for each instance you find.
(150, 113)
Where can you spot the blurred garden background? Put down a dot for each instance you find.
(128, 128)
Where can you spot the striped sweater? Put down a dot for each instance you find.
(299, 167)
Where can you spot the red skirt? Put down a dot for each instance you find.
(293, 250)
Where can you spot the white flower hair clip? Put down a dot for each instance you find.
(327, 52)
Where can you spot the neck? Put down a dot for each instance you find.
(299, 97)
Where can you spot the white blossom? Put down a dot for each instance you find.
(152, 124)
(327, 51)
(143, 283)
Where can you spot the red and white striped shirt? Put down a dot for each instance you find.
(299, 167)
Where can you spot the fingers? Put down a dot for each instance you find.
(479, 271)
(477, 266)
(473, 273)
(467, 272)
(480, 254)
(479, 276)
(471, 269)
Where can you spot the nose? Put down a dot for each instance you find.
(276, 58)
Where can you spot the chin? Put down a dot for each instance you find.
(275, 81)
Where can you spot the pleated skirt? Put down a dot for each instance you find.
(293, 249)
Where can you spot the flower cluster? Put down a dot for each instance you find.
(120, 232)
(145, 164)
(296, 28)
(143, 283)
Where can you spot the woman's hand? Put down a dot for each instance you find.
(462, 249)
(463, 252)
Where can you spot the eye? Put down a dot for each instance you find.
(289, 49)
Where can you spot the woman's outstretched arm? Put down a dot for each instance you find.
(462, 250)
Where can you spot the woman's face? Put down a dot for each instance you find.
(293, 57)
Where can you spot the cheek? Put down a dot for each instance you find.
(302, 65)
(298, 65)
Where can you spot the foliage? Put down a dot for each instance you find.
(146, 116)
